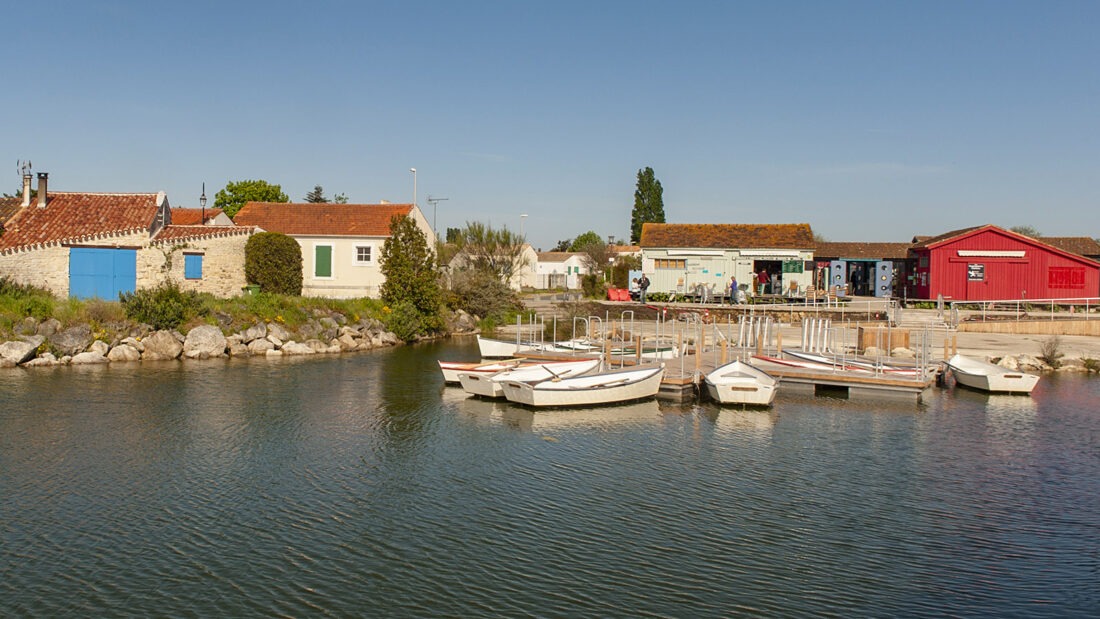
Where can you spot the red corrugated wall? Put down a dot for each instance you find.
(1042, 272)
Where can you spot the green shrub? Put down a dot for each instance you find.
(592, 287)
(1050, 351)
(482, 294)
(163, 307)
(404, 320)
(1091, 365)
(274, 262)
(39, 307)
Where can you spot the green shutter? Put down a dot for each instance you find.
(322, 261)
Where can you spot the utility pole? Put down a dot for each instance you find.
(435, 203)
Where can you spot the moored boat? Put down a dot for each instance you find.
(623, 385)
(451, 369)
(489, 385)
(984, 376)
(741, 383)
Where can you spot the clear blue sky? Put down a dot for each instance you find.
(872, 121)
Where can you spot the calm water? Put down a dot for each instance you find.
(359, 486)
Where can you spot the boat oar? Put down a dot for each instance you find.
(557, 377)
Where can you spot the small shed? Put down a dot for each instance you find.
(987, 263)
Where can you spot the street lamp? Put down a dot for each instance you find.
(522, 218)
(413, 170)
(202, 203)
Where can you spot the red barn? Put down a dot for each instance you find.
(988, 263)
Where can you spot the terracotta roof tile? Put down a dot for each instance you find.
(864, 251)
(557, 256)
(71, 217)
(193, 216)
(1080, 245)
(923, 242)
(326, 219)
(190, 233)
(779, 236)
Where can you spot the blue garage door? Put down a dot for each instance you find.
(102, 273)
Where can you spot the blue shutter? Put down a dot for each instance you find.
(192, 266)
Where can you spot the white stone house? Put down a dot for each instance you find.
(341, 243)
(560, 269)
(681, 257)
(89, 245)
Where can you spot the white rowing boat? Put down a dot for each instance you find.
(451, 369)
(741, 383)
(489, 385)
(989, 377)
(623, 385)
(853, 364)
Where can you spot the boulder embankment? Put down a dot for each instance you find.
(46, 343)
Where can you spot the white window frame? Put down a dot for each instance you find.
(355, 261)
(332, 261)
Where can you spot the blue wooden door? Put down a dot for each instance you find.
(103, 273)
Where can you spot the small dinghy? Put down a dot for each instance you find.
(489, 385)
(989, 377)
(741, 383)
(624, 385)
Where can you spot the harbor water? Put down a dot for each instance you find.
(358, 485)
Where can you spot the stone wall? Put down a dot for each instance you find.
(222, 264)
(48, 267)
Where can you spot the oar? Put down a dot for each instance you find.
(557, 377)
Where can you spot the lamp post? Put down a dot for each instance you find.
(202, 204)
(522, 218)
(413, 170)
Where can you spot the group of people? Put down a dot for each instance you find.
(638, 286)
(762, 283)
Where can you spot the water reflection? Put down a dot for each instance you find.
(483, 411)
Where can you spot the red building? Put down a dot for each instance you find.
(988, 263)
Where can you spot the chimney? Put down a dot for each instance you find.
(27, 189)
(42, 178)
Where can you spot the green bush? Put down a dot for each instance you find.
(274, 262)
(163, 307)
(482, 294)
(592, 287)
(405, 321)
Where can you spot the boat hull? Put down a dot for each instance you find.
(740, 383)
(489, 385)
(451, 369)
(588, 390)
(989, 377)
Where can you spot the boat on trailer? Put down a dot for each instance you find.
(741, 383)
(611, 387)
(490, 385)
(984, 376)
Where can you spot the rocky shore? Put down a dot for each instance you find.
(45, 343)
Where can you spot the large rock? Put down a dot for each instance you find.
(134, 342)
(347, 342)
(124, 352)
(204, 342)
(255, 332)
(20, 351)
(49, 326)
(161, 345)
(238, 349)
(462, 322)
(277, 331)
(260, 346)
(88, 358)
(903, 353)
(295, 348)
(43, 360)
(99, 346)
(72, 340)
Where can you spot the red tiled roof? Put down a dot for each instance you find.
(1081, 245)
(71, 217)
(192, 216)
(324, 219)
(189, 233)
(8, 208)
(557, 256)
(756, 236)
(923, 242)
(863, 251)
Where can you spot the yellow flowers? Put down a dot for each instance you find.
(279, 318)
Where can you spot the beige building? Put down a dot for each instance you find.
(101, 245)
(341, 243)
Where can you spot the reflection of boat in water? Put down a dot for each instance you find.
(747, 419)
(638, 412)
(988, 377)
(489, 385)
(614, 386)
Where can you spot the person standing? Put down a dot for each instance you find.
(763, 278)
(733, 289)
(643, 285)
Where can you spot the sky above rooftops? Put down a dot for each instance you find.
(871, 121)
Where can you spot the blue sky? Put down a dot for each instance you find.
(872, 121)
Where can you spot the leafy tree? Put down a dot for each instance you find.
(649, 205)
(341, 198)
(411, 288)
(563, 245)
(235, 194)
(584, 240)
(453, 234)
(273, 260)
(1027, 231)
(597, 254)
(495, 251)
(317, 196)
(482, 294)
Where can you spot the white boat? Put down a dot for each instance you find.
(623, 385)
(451, 369)
(497, 349)
(741, 383)
(489, 385)
(853, 364)
(989, 377)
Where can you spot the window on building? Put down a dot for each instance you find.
(364, 255)
(192, 266)
(670, 263)
(322, 260)
(1072, 278)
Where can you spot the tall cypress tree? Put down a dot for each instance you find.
(649, 205)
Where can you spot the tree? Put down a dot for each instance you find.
(563, 245)
(495, 251)
(273, 260)
(453, 234)
(411, 289)
(235, 194)
(649, 205)
(317, 196)
(1027, 231)
(588, 238)
(597, 254)
(340, 198)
